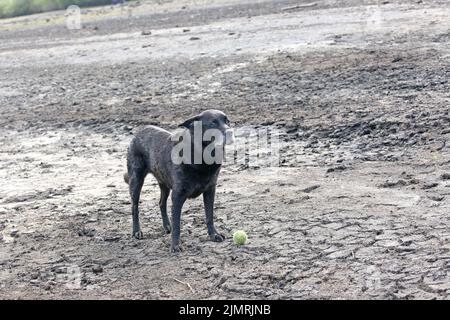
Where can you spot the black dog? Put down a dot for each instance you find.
(152, 151)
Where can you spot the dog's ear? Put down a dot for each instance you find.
(189, 122)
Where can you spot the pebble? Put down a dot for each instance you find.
(97, 269)
(445, 176)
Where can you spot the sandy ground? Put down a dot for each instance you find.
(358, 208)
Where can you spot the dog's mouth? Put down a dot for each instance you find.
(229, 136)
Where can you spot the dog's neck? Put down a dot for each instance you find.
(204, 168)
(196, 156)
(198, 152)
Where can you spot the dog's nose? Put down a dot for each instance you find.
(229, 136)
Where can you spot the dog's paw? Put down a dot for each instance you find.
(138, 235)
(216, 237)
(176, 248)
(167, 228)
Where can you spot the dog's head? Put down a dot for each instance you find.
(203, 139)
(211, 122)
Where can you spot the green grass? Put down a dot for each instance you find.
(13, 8)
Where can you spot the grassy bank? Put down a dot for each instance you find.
(12, 8)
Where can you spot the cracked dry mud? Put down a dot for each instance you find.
(358, 208)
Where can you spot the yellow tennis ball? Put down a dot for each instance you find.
(240, 237)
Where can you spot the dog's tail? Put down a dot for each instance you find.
(126, 178)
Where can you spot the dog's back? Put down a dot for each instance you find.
(149, 150)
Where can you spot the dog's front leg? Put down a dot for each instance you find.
(178, 200)
(208, 201)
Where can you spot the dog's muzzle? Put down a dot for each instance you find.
(229, 136)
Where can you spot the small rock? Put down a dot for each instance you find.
(311, 188)
(112, 238)
(97, 269)
(338, 168)
(445, 176)
(388, 243)
(60, 270)
(437, 198)
(390, 184)
(114, 86)
(194, 38)
(146, 33)
(340, 254)
(430, 185)
(86, 232)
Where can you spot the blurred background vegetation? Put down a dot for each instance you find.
(12, 8)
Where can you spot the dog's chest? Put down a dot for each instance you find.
(196, 184)
(195, 181)
(197, 188)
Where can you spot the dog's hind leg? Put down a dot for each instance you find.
(163, 206)
(136, 182)
(136, 177)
